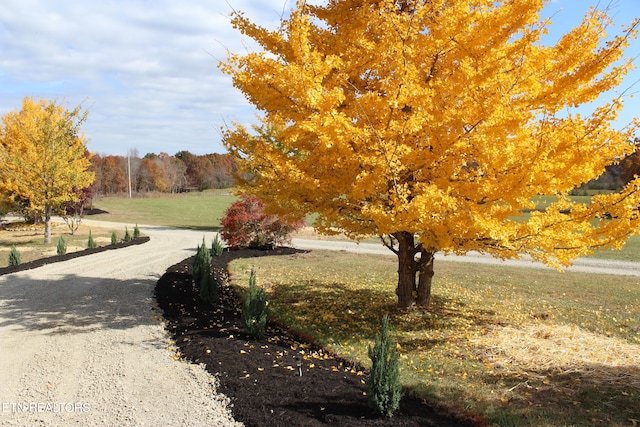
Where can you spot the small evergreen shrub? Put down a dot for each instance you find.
(14, 256)
(255, 309)
(91, 243)
(61, 248)
(201, 263)
(216, 246)
(245, 224)
(208, 287)
(136, 232)
(114, 238)
(202, 276)
(127, 236)
(383, 385)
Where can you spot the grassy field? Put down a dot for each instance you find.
(520, 347)
(197, 210)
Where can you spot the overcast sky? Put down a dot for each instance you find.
(147, 70)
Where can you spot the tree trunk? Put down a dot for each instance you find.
(425, 276)
(47, 224)
(415, 272)
(406, 289)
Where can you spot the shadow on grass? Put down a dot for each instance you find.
(345, 313)
(600, 394)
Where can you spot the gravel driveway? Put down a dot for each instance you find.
(83, 344)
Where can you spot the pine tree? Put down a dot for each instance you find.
(255, 309)
(14, 256)
(61, 249)
(202, 276)
(216, 246)
(114, 238)
(383, 386)
(208, 287)
(91, 243)
(127, 236)
(201, 262)
(136, 232)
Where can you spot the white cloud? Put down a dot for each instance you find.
(147, 70)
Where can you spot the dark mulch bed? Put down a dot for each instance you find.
(58, 258)
(261, 377)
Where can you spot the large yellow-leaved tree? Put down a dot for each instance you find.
(435, 124)
(43, 157)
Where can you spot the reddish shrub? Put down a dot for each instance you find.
(245, 224)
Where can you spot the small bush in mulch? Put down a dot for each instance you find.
(202, 277)
(284, 378)
(383, 385)
(255, 309)
(216, 246)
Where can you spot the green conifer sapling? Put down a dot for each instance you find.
(216, 246)
(14, 256)
(61, 248)
(383, 385)
(91, 243)
(255, 309)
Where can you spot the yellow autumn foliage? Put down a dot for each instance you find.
(443, 119)
(43, 157)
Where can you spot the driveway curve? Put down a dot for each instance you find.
(83, 343)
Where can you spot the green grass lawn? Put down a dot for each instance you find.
(518, 346)
(197, 210)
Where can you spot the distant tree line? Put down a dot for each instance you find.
(615, 176)
(161, 172)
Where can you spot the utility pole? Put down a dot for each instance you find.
(129, 169)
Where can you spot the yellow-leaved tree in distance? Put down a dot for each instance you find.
(43, 157)
(434, 124)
